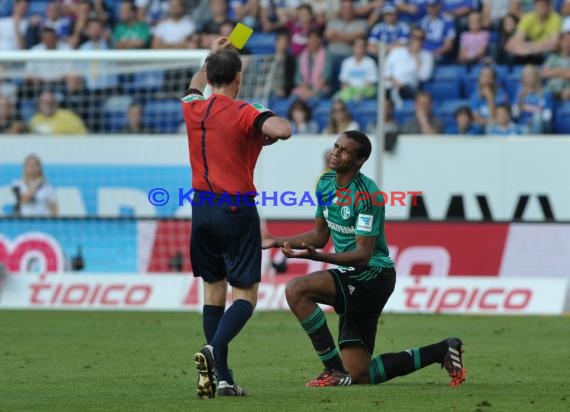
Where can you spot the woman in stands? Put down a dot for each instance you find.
(533, 105)
(300, 117)
(488, 95)
(340, 119)
(34, 196)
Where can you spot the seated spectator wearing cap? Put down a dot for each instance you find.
(411, 11)
(440, 32)
(423, 122)
(390, 31)
(533, 105)
(464, 124)
(556, 69)
(502, 124)
(473, 44)
(406, 67)
(537, 34)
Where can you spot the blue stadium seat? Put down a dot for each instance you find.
(449, 71)
(115, 113)
(365, 112)
(445, 110)
(150, 80)
(562, 119)
(280, 106)
(442, 89)
(28, 109)
(163, 116)
(261, 43)
(405, 112)
(6, 8)
(37, 7)
(321, 113)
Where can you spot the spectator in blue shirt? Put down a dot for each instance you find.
(488, 94)
(411, 11)
(390, 31)
(464, 124)
(459, 10)
(439, 30)
(503, 124)
(533, 105)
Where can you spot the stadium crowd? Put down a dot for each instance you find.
(469, 67)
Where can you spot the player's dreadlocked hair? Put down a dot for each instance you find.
(365, 148)
(223, 66)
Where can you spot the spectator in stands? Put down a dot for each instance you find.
(464, 124)
(10, 121)
(53, 120)
(521, 7)
(392, 32)
(411, 11)
(85, 103)
(358, 74)
(459, 11)
(533, 106)
(365, 9)
(85, 11)
(61, 25)
(556, 70)
(13, 28)
(340, 119)
(440, 32)
(423, 122)
(8, 87)
(302, 21)
(340, 33)
(300, 117)
(246, 11)
(130, 33)
(488, 94)
(324, 10)
(152, 11)
(176, 32)
(274, 12)
(499, 50)
(312, 70)
(135, 123)
(284, 66)
(34, 195)
(391, 126)
(537, 34)
(493, 12)
(98, 75)
(211, 27)
(503, 124)
(473, 44)
(406, 67)
(46, 74)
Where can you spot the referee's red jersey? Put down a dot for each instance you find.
(223, 142)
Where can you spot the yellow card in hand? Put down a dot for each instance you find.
(240, 35)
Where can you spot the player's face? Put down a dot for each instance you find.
(344, 155)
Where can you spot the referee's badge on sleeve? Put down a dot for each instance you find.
(364, 223)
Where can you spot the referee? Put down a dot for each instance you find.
(225, 137)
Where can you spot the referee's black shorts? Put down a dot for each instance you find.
(225, 241)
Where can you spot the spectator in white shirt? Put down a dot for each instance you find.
(406, 67)
(34, 196)
(97, 74)
(358, 74)
(13, 28)
(177, 31)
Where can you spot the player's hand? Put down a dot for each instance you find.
(220, 43)
(267, 241)
(268, 141)
(308, 252)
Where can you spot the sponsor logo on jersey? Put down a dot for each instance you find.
(260, 108)
(339, 228)
(364, 223)
(345, 212)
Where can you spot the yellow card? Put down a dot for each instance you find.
(240, 35)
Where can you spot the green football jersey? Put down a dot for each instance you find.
(348, 214)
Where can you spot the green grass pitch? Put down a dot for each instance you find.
(87, 361)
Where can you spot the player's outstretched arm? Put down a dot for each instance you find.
(318, 237)
(360, 256)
